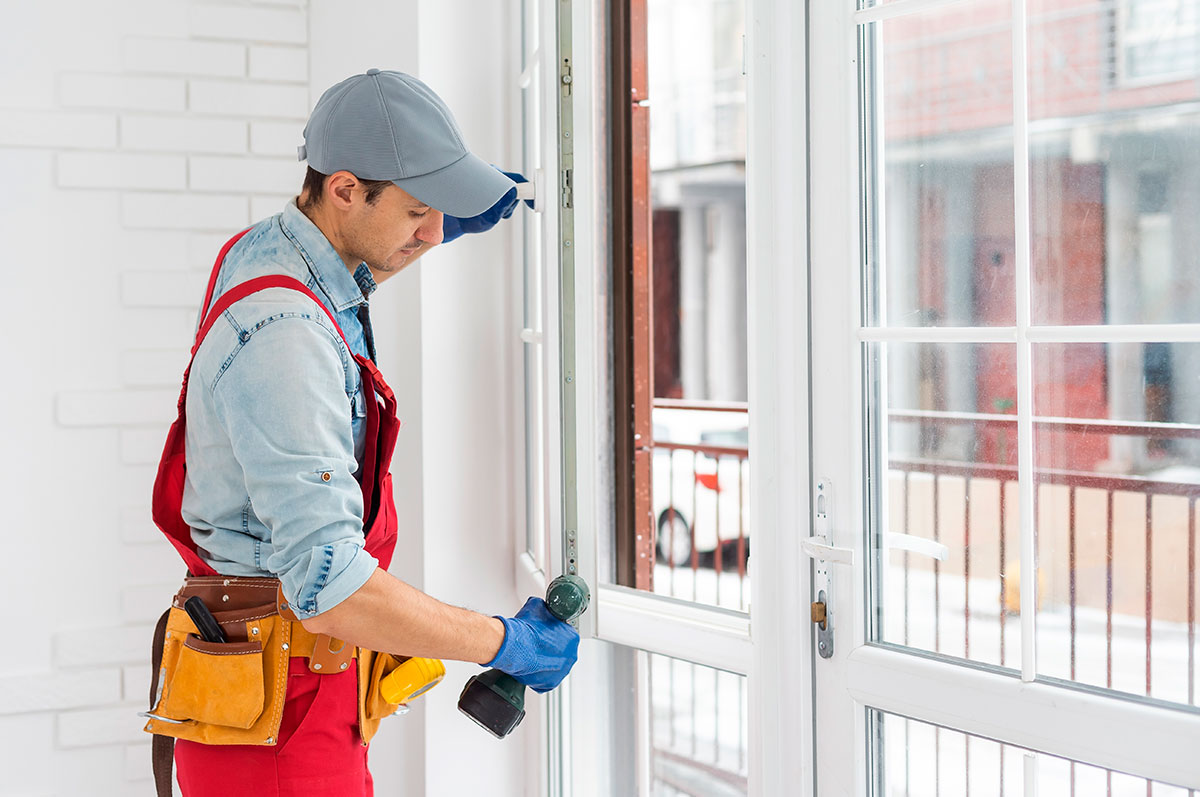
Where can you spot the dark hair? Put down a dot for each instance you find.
(314, 189)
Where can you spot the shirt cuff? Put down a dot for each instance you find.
(333, 573)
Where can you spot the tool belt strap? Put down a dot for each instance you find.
(222, 594)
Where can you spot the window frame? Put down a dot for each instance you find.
(1124, 39)
(778, 664)
(1039, 713)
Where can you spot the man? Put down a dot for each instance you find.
(286, 432)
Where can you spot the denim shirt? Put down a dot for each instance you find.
(276, 421)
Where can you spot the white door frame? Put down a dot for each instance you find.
(781, 743)
(1075, 723)
(772, 645)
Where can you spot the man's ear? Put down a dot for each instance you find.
(339, 189)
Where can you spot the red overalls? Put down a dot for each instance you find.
(319, 751)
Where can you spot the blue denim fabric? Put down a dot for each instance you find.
(276, 421)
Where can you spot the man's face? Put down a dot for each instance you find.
(387, 234)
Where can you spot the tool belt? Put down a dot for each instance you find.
(233, 692)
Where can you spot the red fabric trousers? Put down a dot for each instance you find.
(319, 750)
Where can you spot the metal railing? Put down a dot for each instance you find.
(1137, 518)
(702, 511)
(701, 493)
(1165, 511)
(970, 507)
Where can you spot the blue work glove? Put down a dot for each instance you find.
(453, 226)
(539, 649)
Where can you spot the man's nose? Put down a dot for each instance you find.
(430, 230)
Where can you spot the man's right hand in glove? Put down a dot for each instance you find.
(538, 649)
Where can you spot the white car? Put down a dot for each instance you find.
(701, 486)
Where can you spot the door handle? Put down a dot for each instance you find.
(921, 545)
(819, 548)
(824, 554)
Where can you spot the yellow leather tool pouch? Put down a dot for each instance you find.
(372, 668)
(223, 693)
(215, 683)
(234, 692)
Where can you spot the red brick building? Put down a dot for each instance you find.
(1114, 121)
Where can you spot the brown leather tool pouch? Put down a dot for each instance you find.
(223, 693)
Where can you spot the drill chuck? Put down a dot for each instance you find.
(567, 597)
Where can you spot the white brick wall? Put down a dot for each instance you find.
(102, 248)
(116, 407)
(279, 63)
(276, 138)
(99, 726)
(123, 92)
(121, 170)
(163, 288)
(185, 57)
(58, 129)
(182, 134)
(277, 175)
(126, 130)
(184, 212)
(241, 98)
(256, 24)
(62, 689)
(97, 647)
(137, 527)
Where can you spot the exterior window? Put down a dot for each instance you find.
(1158, 40)
(697, 159)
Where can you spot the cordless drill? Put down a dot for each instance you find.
(496, 700)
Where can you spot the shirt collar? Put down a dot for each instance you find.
(366, 283)
(323, 260)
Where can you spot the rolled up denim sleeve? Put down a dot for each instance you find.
(282, 399)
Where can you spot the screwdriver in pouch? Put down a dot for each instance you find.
(210, 629)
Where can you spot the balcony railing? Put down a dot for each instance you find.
(1108, 613)
(1139, 520)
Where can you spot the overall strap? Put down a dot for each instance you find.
(237, 293)
(216, 271)
(241, 291)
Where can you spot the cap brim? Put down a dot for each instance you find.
(464, 189)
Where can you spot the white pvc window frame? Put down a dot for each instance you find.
(1126, 38)
(769, 644)
(1086, 725)
(534, 309)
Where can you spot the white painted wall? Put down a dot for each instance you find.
(135, 136)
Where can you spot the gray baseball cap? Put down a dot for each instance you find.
(390, 126)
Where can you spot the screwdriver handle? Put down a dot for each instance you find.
(206, 624)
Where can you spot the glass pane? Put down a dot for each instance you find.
(1118, 467)
(698, 198)
(697, 154)
(916, 759)
(939, 168)
(1115, 161)
(950, 486)
(699, 730)
(701, 502)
